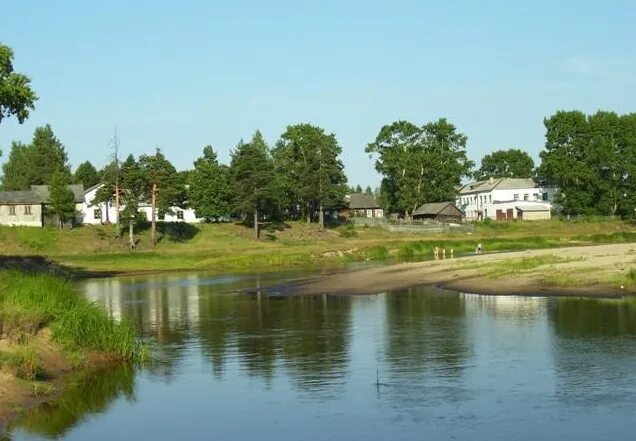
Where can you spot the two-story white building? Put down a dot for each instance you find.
(506, 199)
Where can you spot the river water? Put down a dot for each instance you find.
(415, 364)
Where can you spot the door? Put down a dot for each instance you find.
(510, 214)
(500, 215)
(519, 214)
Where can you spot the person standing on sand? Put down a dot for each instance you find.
(479, 249)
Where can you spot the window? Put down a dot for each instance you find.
(526, 197)
(545, 196)
(27, 210)
(180, 215)
(97, 214)
(490, 198)
(12, 210)
(516, 197)
(161, 216)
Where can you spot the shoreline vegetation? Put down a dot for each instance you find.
(48, 332)
(93, 251)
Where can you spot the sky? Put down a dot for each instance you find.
(181, 75)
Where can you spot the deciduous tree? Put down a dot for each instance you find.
(511, 163)
(16, 96)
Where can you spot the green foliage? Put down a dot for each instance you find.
(86, 174)
(592, 159)
(349, 230)
(16, 96)
(24, 362)
(379, 252)
(61, 199)
(419, 164)
(36, 239)
(511, 163)
(76, 323)
(253, 178)
(310, 170)
(210, 192)
(36, 163)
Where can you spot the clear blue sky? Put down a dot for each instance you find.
(180, 75)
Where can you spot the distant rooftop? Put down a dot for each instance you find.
(361, 201)
(38, 194)
(498, 183)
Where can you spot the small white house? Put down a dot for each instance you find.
(506, 199)
(95, 214)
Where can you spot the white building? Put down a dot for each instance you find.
(506, 199)
(95, 214)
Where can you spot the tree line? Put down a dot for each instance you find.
(590, 158)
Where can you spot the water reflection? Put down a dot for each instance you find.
(83, 396)
(391, 366)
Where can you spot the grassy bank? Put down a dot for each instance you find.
(46, 330)
(229, 247)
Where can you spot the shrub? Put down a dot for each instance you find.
(348, 231)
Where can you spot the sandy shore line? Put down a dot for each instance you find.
(575, 271)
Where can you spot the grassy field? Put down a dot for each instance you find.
(230, 247)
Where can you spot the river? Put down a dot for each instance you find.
(415, 364)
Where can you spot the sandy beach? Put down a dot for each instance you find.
(585, 270)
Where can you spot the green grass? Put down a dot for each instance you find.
(29, 302)
(230, 247)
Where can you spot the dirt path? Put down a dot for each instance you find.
(587, 270)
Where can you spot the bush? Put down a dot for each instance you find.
(348, 231)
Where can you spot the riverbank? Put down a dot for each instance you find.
(600, 270)
(47, 331)
(95, 250)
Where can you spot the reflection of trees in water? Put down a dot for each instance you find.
(426, 330)
(308, 335)
(90, 394)
(594, 350)
(427, 347)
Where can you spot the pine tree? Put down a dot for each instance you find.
(210, 192)
(308, 160)
(164, 187)
(61, 199)
(133, 186)
(253, 178)
(86, 174)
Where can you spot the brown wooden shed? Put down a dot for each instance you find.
(439, 211)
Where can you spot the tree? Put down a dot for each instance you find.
(16, 96)
(133, 188)
(210, 192)
(163, 186)
(309, 160)
(61, 199)
(419, 164)
(368, 191)
(35, 164)
(86, 174)
(511, 163)
(358, 188)
(252, 172)
(592, 159)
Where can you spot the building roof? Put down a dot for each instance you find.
(38, 194)
(433, 208)
(533, 207)
(361, 201)
(499, 183)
